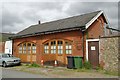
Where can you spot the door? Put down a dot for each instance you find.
(27, 52)
(60, 52)
(31, 56)
(93, 53)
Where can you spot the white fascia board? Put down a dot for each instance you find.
(106, 19)
(92, 20)
(92, 39)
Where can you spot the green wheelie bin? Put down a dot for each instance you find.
(77, 62)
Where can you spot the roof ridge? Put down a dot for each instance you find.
(67, 18)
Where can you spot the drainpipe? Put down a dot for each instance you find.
(12, 46)
(83, 30)
(83, 44)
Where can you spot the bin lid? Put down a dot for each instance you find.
(78, 56)
(70, 56)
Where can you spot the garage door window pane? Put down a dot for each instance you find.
(68, 47)
(60, 47)
(33, 48)
(46, 48)
(29, 48)
(53, 47)
(20, 48)
(24, 48)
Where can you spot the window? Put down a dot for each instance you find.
(68, 48)
(20, 48)
(33, 48)
(24, 48)
(53, 47)
(46, 48)
(27, 48)
(60, 47)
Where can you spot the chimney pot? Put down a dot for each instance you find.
(39, 22)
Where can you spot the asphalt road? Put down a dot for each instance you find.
(8, 73)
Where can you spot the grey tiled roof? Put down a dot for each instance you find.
(71, 22)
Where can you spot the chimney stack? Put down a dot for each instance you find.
(39, 22)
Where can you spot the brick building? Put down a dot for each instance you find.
(55, 40)
(4, 37)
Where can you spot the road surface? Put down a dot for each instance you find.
(50, 73)
(9, 73)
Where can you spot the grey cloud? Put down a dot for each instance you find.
(46, 5)
(24, 13)
(32, 15)
(9, 19)
(110, 9)
(83, 7)
(8, 29)
(30, 12)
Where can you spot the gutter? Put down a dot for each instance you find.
(113, 29)
(48, 32)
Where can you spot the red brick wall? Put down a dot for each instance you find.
(94, 31)
(74, 36)
(2, 47)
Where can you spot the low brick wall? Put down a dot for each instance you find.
(109, 52)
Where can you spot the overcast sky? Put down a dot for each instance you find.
(17, 16)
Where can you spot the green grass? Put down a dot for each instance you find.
(98, 70)
(83, 70)
(32, 65)
(111, 73)
(35, 65)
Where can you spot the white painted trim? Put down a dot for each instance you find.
(8, 47)
(92, 20)
(106, 19)
(87, 46)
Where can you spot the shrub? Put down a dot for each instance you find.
(99, 68)
(34, 65)
(26, 64)
(87, 65)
